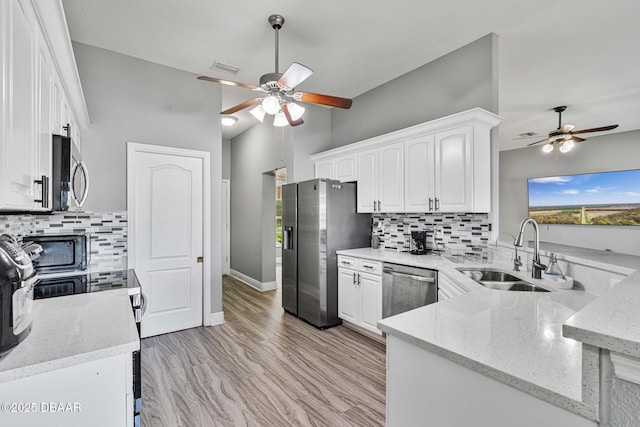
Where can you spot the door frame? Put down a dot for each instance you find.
(134, 148)
(226, 232)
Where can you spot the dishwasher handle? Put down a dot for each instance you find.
(409, 276)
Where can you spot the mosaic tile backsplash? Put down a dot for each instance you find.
(459, 233)
(107, 231)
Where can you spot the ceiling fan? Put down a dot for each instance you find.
(279, 89)
(564, 136)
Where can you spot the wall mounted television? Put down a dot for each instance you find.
(602, 198)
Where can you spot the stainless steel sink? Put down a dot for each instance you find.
(500, 280)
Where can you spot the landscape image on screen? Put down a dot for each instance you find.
(605, 198)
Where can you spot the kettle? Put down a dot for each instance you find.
(17, 277)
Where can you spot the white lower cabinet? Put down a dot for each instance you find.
(360, 292)
(97, 394)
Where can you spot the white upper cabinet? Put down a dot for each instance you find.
(439, 166)
(367, 181)
(19, 135)
(34, 104)
(380, 179)
(391, 178)
(343, 168)
(346, 168)
(324, 169)
(454, 170)
(419, 174)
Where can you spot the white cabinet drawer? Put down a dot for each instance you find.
(347, 262)
(368, 266)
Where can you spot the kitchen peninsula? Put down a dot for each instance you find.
(510, 358)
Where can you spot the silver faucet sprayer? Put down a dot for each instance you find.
(537, 267)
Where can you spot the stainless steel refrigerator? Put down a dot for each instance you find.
(318, 218)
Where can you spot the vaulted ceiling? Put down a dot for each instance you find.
(580, 53)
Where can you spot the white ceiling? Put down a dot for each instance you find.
(580, 53)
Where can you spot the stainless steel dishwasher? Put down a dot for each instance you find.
(405, 288)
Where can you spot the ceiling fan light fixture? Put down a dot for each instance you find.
(228, 121)
(547, 148)
(280, 120)
(258, 112)
(566, 146)
(271, 104)
(295, 110)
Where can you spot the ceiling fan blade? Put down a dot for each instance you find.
(578, 139)
(537, 142)
(566, 128)
(229, 83)
(601, 129)
(287, 114)
(295, 74)
(316, 98)
(242, 106)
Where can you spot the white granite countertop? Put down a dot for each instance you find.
(517, 337)
(73, 329)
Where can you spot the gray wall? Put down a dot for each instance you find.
(226, 158)
(597, 154)
(255, 154)
(463, 79)
(130, 100)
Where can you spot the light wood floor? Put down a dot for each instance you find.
(263, 367)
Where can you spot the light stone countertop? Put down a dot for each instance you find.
(517, 337)
(71, 330)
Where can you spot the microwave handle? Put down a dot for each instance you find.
(80, 165)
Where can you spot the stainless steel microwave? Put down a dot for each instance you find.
(69, 177)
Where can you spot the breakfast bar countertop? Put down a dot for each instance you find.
(514, 337)
(71, 330)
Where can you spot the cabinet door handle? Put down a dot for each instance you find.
(354, 277)
(379, 205)
(44, 182)
(374, 205)
(437, 204)
(358, 279)
(430, 204)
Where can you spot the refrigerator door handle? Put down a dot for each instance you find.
(287, 241)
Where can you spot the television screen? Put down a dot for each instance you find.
(604, 198)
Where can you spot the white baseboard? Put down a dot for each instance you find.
(261, 286)
(213, 319)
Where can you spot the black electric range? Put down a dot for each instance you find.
(51, 287)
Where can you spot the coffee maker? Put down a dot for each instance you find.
(17, 277)
(418, 243)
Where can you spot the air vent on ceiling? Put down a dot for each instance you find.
(526, 134)
(219, 66)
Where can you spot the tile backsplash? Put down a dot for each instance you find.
(460, 233)
(107, 230)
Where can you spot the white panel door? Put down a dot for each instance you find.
(454, 170)
(367, 181)
(347, 295)
(419, 174)
(391, 178)
(168, 226)
(370, 300)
